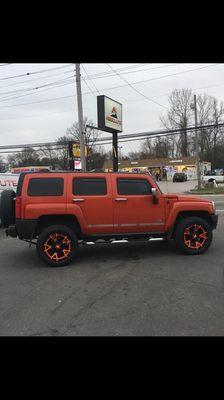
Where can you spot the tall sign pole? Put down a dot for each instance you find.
(80, 116)
(115, 152)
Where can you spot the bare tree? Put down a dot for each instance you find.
(179, 116)
(217, 117)
(90, 134)
(2, 165)
(27, 157)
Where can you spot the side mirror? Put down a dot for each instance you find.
(154, 196)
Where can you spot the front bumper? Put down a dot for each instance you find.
(214, 219)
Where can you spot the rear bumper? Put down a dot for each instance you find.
(11, 231)
(214, 219)
(24, 229)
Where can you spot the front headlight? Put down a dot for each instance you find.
(214, 206)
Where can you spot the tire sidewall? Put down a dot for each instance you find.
(44, 235)
(179, 235)
(7, 208)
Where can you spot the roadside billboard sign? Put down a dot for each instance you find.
(109, 114)
(78, 164)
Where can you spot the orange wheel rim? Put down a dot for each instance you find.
(195, 236)
(57, 247)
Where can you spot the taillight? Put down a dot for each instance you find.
(18, 207)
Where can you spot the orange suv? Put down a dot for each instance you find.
(59, 210)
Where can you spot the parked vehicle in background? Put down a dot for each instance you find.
(40, 168)
(60, 210)
(212, 176)
(180, 177)
(8, 181)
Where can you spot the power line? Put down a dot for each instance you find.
(141, 135)
(110, 88)
(109, 74)
(89, 87)
(34, 72)
(40, 101)
(105, 73)
(35, 88)
(35, 79)
(132, 87)
(90, 79)
(28, 94)
(173, 74)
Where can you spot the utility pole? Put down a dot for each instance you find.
(80, 116)
(120, 158)
(194, 107)
(120, 147)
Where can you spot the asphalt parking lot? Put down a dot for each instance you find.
(176, 187)
(120, 289)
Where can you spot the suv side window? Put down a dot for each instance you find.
(133, 187)
(20, 184)
(89, 186)
(45, 187)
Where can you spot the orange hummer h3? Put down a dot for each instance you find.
(57, 211)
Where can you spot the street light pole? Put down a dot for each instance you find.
(194, 107)
(80, 116)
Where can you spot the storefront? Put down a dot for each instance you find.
(163, 168)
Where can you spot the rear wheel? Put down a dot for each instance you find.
(57, 245)
(7, 210)
(193, 235)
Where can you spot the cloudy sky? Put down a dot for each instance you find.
(38, 101)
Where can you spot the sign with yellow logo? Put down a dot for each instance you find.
(76, 150)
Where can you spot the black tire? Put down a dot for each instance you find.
(7, 209)
(57, 235)
(212, 180)
(185, 233)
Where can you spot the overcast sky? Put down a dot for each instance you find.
(30, 113)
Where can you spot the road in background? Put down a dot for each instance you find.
(176, 187)
(182, 187)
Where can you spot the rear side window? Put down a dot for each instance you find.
(89, 186)
(133, 187)
(45, 187)
(20, 184)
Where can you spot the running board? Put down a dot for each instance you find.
(87, 243)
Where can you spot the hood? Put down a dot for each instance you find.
(185, 198)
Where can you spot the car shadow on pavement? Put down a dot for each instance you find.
(97, 254)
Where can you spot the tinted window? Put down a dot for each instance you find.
(133, 187)
(89, 186)
(45, 187)
(20, 184)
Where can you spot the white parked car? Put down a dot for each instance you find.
(211, 176)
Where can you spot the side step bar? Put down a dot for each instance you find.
(113, 241)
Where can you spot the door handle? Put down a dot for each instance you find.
(78, 200)
(120, 199)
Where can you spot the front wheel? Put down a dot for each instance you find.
(57, 245)
(193, 235)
